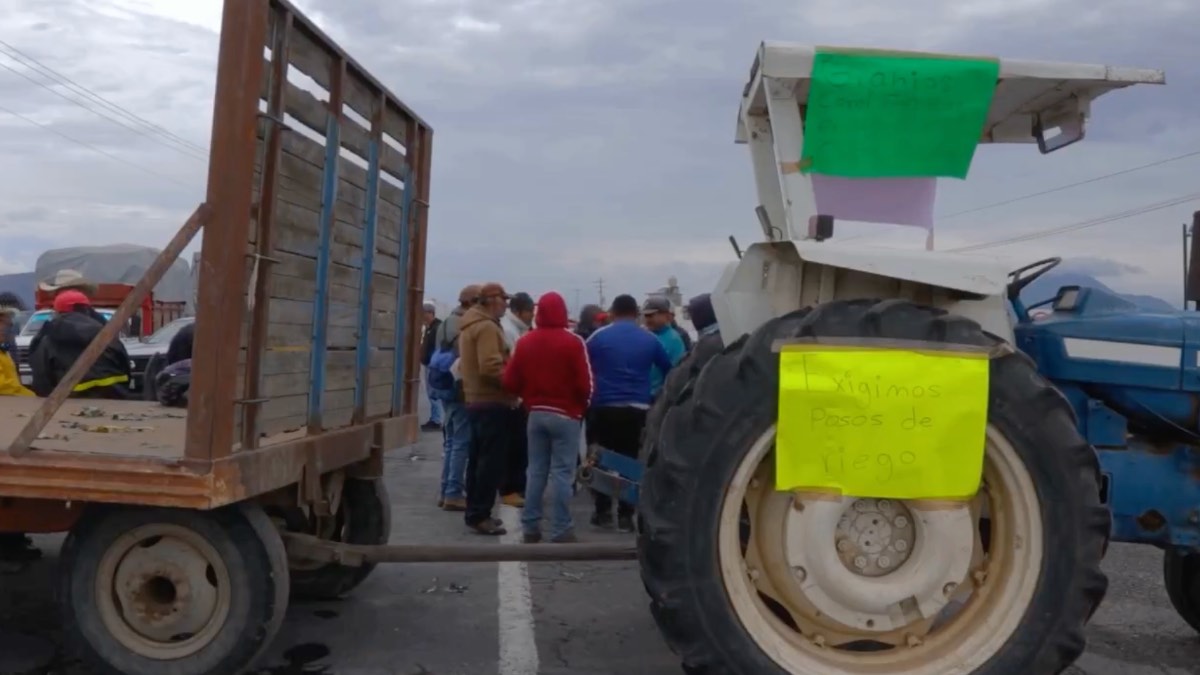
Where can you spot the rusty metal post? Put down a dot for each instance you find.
(311, 548)
(276, 105)
(421, 205)
(221, 305)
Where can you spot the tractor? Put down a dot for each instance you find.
(1090, 410)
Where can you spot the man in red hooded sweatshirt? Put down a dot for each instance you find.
(550, 373)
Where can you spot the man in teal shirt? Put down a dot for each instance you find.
(657, 316)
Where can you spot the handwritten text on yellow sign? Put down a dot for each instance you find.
(892, 423)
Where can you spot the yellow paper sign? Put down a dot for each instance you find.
(871, 422)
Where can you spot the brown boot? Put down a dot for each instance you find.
(454, 505)
(513, 499)
(488, 527)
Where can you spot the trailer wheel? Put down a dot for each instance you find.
(365, 517)
(741, 582)
(1181, 576)
(146, 591)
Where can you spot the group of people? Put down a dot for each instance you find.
(513, 389)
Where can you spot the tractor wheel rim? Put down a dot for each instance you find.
(163, 591)
(824, 590)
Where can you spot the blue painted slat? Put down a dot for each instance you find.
(363, 360)
(316, 375)
(402, 301)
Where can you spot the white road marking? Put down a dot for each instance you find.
(518, 646)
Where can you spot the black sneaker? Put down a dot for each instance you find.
(531, 538)
(625, 524)
(431, 426)
(602, 520)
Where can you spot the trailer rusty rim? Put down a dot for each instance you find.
(790, 616)
(163, 591)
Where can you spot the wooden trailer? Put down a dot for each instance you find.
(306, 371)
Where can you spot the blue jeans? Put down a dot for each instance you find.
(435, 406)
(553, 452)
(456, 444)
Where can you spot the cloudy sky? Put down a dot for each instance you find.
(586, 139)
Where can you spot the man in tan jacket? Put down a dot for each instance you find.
(483, 353)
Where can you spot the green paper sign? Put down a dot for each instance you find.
(887, 116)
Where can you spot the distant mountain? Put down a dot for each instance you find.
(23, 284)
(1048, 285)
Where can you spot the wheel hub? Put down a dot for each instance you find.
(164, 591)
(875, 536)
(877, 564)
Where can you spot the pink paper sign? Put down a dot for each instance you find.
(897, 201)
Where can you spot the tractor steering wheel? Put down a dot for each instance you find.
(1019, 282)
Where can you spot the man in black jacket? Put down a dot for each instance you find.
(62, 341)
(428, 346)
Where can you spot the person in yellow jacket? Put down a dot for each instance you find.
(10, 378)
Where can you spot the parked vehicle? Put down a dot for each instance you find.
(174, 561)
(141, 351)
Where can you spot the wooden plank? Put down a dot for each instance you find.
(313, 112)
(304, 267)
(379, 399)
(297, 361)
(296, 144)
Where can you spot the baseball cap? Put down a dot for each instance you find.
(655, 304)
(521, 302)
(492, 290)
(67, 300)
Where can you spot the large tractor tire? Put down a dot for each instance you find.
(678, 381)
(1181, 576)
(746, 579)
(148, 591)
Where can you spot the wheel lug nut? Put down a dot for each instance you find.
(901, 545)
(885, 562)
(843, 545)
(754, 574)
(901, 521)
(800, 573)
(860, 562)
(949, 589)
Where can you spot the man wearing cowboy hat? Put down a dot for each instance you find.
(71, 280)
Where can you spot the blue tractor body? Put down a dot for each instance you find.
(1133, 379)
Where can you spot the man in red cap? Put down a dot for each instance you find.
(61, 342)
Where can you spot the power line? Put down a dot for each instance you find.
(1059, 188)
(85, 144)
(1068, 186)
(34, 64)
(1082, 225)
(182, 150)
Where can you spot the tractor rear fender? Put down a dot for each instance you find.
(774, 278)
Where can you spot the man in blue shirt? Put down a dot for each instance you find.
(621, 355)
(659, 319)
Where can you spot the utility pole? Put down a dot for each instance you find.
(578, 307)
(600, 291)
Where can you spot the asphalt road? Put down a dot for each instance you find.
(555, 619)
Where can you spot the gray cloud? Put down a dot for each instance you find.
(578, 139)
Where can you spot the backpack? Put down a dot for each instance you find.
(440, 380)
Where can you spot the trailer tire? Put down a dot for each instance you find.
(707, 599)
(367, 519)
(146, 591)
(1181, 576)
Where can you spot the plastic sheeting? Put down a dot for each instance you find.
(118, 264)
